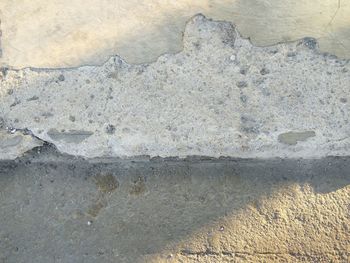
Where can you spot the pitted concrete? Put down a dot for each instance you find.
(220, 96)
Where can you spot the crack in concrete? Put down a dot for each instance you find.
(331, 22)
(335, 14)
(259, 253)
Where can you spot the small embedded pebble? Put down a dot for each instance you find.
(61, 78)
(310, 42)
(110, 129)
(244, 98)
(291, 54)
(243, 71)
(241, 84)
(264, 71)
(11, 130)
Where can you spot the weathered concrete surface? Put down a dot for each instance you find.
(220, 96)
(15, 144)
(63, 209)
(69, 33)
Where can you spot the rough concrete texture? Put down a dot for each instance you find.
(63, 209)
(220, 96)
(13, 144)
(68, 33)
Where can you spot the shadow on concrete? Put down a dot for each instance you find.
(58, 208)
(147, 30)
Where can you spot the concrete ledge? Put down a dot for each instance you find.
(220, 96)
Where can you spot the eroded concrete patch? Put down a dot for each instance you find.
(220, 96)
(72, 136)
(292, 138)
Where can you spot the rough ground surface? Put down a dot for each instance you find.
(69, 33)
(220, 96)
(62, 209)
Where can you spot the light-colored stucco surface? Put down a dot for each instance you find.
(69, 33)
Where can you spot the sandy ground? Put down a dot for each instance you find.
(62, 209)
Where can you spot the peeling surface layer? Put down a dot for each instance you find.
(220, 96)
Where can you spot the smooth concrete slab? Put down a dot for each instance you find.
(70, 33)
(219, 96)
(58, 208)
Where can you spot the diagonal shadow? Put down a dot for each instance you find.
(57, 208)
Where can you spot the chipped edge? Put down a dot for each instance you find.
(313, 47)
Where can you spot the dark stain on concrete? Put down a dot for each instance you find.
(110, 129)
(95, 208)
(106, 183)
(33, 98)
(61, 77)
(309, 42)
(138, 187)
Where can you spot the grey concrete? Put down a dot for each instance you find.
(13, 144)
(58, 208)
(220, 96)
